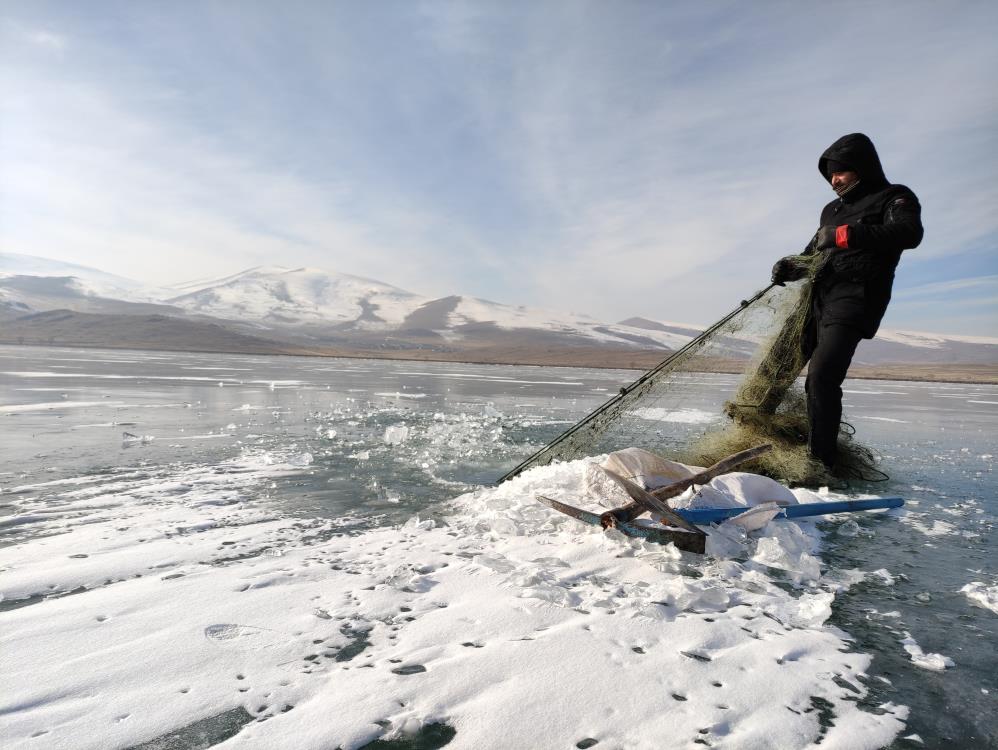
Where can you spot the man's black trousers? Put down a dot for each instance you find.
(830, 349)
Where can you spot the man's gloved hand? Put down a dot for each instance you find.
(824, 239)
(788, 269)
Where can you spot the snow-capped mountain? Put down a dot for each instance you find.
(311, 298)
(273, 295)
(80, 280)
(318, 309)
(889, 345)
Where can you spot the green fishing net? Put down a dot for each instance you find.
(753, 358)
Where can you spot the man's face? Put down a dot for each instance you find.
(842, 180)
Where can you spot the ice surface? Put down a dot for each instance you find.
(21, 408)
(512, 624)
(687, 416)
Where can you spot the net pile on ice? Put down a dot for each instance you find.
(671, 409)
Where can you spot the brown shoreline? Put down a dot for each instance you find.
(595, 358)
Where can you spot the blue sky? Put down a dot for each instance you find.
(614, 158)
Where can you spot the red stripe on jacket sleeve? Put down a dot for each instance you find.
(842, 236)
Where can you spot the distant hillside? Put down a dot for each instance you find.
(272, 309)
(23, 293)
(66, 327)
(89, 280)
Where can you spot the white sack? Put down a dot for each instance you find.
(640, 466)
(741, 488)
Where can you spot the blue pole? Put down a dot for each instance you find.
(714, 515)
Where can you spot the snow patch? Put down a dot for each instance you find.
(982, 595)
(187, 574)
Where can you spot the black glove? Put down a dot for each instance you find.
(824, 239)
(788, 269)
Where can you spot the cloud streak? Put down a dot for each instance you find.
(617, 160)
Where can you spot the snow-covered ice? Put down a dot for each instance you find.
(935, 662)
(158, 599)
(982, 595)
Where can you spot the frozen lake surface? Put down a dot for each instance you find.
(201, 550)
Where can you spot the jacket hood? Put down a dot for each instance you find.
(857, 151)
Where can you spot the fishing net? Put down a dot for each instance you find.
(750, 362)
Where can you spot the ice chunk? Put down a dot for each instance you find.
(788, 548)
(982, 595)
(935, 662)
(884, 575)
(726, 541)
(849, 528)
(415, 524)
(755, 518)
(404, 576)
(813, 609)
(396, 434)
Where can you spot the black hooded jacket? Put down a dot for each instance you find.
(875, 222)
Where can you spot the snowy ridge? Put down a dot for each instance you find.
(472, 310)
(918, 339)
(314, 301)
(282, 295)
(931, 340)
(274, 295)
(83, 280)
(511, 624)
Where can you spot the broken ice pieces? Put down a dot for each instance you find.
(396, 435)
(129, 439)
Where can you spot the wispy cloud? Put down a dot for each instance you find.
(47, 39)
(612, 159)
(985, 285)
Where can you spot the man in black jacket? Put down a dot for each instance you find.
(862, 234)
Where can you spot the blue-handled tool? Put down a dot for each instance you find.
(716, 515)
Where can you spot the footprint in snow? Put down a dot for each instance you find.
(244, 636)
(409, 669)
(694, 655)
